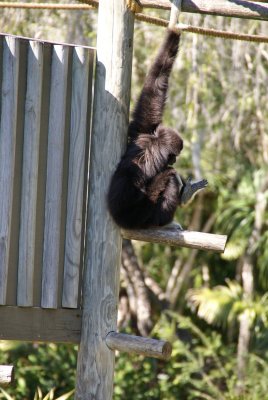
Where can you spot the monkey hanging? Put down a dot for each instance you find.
(145, 190)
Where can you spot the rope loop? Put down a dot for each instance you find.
(174, 13)
(134, 6)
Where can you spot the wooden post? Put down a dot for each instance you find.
(95, 369)
(6, 375)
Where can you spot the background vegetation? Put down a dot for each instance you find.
(213, 308)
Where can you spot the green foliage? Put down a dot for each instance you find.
(201, 367)
(39, 365)
(39, 395)
(219, 306)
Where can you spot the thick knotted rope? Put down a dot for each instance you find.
(204, 31)
(174, 13)
(134, 6)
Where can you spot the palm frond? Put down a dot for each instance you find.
(215, 305)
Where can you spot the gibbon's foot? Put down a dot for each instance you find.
(174, 225)
(190, 190)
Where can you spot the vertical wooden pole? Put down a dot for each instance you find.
(95, 367)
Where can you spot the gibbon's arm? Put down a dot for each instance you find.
(150, 106)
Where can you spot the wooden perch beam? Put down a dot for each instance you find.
(6, 374)
(225, 8)
(139, 345)
(174, 236)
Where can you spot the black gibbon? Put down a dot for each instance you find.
(145, 190)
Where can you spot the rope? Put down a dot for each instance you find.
(134, 6)
(89, 4)
(92, 3)
(204, 31)
(174, 13)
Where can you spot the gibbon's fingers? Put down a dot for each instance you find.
(190, 190)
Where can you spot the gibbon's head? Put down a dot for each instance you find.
(158, 150)
(170, 143)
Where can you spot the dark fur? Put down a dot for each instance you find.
(144, 189)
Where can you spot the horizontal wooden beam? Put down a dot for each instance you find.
(225, 8)
(234, 8)
(47, 6)
(173, 235)
(6, 375)
(139, 345)
(40, 325)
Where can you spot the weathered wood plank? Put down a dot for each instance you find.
(30, 175)
(48, 6)
(42, 173)
(95, 368)
(226, 8)
(7, 152)
(54, 183)
(37, 324)
(139, 345)
(64, 193)
(80, 114)
(173, 235)
(6, 374)
(11, 297)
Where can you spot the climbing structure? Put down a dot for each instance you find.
(59, 249)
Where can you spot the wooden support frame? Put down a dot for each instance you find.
(225, 8)
(95, 369)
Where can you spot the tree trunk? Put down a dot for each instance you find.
(137, 282)
(248, 286)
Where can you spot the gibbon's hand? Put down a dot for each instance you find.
(190, 189)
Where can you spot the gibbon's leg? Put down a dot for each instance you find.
(160, 182)
(150, 105)
(167, 191)
(164, 192)
(172, 197)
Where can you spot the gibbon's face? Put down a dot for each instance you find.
(171, 159)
